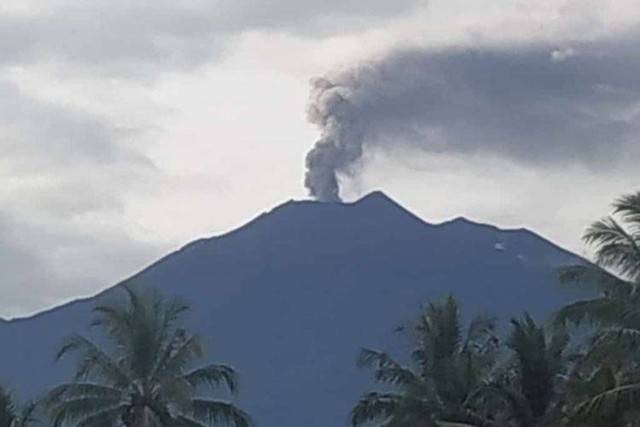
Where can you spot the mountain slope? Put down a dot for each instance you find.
(290, 297)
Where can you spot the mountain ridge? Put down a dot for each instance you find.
(290, 297)
(375, 197)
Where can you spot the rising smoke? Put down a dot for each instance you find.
(527, 104)
(340, 142)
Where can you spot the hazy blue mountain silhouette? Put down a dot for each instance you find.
(290, 297)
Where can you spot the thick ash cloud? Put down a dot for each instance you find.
(141, 38)
(537, 104)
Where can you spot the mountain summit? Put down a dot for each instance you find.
(290, 297)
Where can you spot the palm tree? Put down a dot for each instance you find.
(616, 240)
(449, 368)
(606, 384)
(530, 387)
(12, 417)
(7, 410)
(146, 378)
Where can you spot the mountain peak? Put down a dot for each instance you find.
(461, 221)
(309, 283)
(370, 212)
(377, 196)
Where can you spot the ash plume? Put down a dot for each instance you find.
(521, 103)
(340, 142)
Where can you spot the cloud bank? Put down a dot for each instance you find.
(141, 38)
(536, 104)
(76, 168)
(64, 174)
(124, 123)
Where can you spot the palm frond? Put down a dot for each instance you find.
(444, 320)
(93, 360)
(107, 417)
(585, 387)
(615, 247)
(219, 412)
(78, 409)
(597, 311)
(27, 415)
(7, 408)
(183, 421)
(173, 312)
(517, 404)
(85, 389)
(386, 369)
(146, 373)
(480, 333)
(176, 390)
(374, 407)
(187, 351)
(618, 338)
(535, 370)
(449, 371)
(170, 346)
(556, 348)
(614, 401)
(595, 276)
(213, 376)
(628, 207)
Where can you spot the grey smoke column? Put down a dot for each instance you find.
(528, 104)
(340, 142)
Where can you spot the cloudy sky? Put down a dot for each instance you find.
(129, 128)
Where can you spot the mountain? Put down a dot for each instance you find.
(290, 297)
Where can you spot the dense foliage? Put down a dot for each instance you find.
(449, 366)
(536, 376)
(580, 368)
(144, 374)
(11, 415)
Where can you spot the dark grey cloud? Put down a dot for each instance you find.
(39, 132)
(66, 177)
(135, 38)
(43, 264)
(578, 103)
(62, 160)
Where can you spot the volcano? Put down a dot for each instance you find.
(289, 299)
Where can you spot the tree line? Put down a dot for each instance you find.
(579, 368)
(146, 373)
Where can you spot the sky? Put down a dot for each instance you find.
(129, 128)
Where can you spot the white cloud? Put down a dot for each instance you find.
(129, 128)
(562, 54)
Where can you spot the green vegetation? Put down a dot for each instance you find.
(537, 376)
(11, 416)
(449, 368)
(581, 368)
(147, 378)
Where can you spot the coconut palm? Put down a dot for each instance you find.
(606, 385)
(587, 383)
(616, 240)
(10, 416)
(448, 368)
(7, 410)
(529, 391)
(143, 376)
